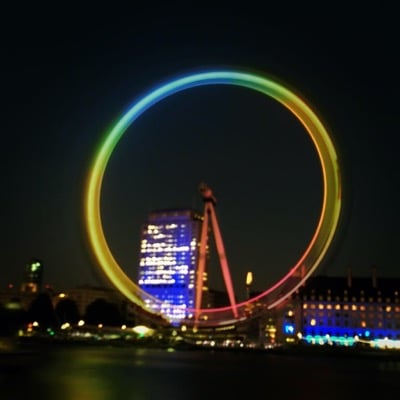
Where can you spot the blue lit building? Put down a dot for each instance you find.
(168, 261)
(347, 310)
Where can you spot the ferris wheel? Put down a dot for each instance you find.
(318, 244)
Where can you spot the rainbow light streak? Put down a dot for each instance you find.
(331, 204)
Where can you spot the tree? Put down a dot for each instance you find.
(103, 312)
(67, 311)
(11, 320)
(42, 311)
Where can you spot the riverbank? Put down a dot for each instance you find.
(28, 346)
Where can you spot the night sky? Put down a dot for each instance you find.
(68, 77)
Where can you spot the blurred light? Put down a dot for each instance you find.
(13, 305)
(142, 330)
(288, 329)
(249, 278)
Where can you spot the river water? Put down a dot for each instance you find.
(113, 373)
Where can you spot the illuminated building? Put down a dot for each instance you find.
(168, 261)
(347, 310)
(33, 277)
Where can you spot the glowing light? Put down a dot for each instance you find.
(327, 339)
(249, 278)
(142, 330)
(331, 203)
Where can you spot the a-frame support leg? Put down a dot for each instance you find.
(210, 212)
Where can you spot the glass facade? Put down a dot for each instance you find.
(168, 261)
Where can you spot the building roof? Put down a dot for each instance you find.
(367, 286)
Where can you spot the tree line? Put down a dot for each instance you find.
(42, 311)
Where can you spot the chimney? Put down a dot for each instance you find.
(374, 276)
(349, 277)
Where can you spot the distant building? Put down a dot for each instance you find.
(33, 277)
(346, 309)
(13, 298)
(168, 261)
(343, 310)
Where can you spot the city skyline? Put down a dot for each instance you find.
(66, 89)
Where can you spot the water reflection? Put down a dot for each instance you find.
(152, 374)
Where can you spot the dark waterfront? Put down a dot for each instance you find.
(115, 373)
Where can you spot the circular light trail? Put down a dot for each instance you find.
(331, 201)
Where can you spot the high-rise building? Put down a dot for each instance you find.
(32, 281)
(168, 262)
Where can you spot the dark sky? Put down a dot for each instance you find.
(68, 76)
